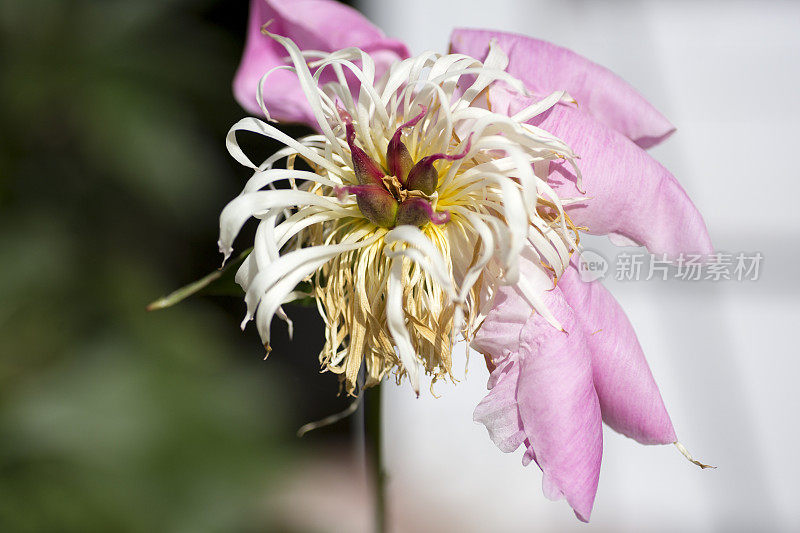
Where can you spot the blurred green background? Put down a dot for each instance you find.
(113, 171)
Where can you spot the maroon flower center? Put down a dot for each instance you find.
(402, 195)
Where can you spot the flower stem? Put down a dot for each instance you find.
(373, 434)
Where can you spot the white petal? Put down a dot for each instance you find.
(396, 321)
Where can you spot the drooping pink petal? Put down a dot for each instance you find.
(560, 411)
(629, 398)
(545, 68)
(557, 406)
(323, 25)
(499, 333)
(498, 411)
(631, 196)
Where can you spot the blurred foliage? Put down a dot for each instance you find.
(112, 174)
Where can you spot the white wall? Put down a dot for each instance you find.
(725, 354)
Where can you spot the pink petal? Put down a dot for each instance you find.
(499, 333)
(313, 25)
(557, 409)
(630, 195)
(560, 411)
(498, 410)
(629, 398)
(545, 68)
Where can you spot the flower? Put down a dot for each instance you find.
(444, 195)
(417, 206)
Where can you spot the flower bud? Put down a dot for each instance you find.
(367, 171)
(398, 158)
(374, 202)
(417, 211)
(423, 177)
